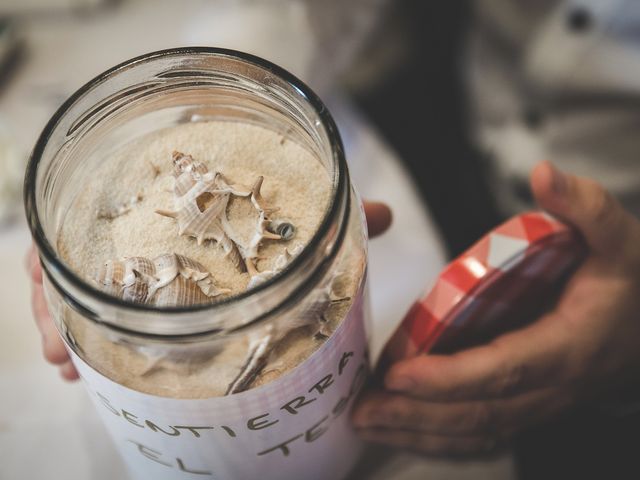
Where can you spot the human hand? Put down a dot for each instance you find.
(52, 346)
(473, 401)
(378, 220)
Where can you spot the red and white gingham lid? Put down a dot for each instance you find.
(499, 283)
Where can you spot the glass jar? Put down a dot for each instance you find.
(149, 370)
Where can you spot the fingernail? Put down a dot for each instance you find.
(558, 180)
(400, 383)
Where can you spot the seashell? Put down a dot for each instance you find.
(200, 202)
(321, 301)
(200, 220)
(137, 290)
(284, 228)
(138, 273)
(256, 360)
(109, 277)
(181, 291)
(115, 211)
(279, 264)
(126, 279)
(257, 199)
(250, 251)
(200, 210)
(233, 188)
(261, 345)
(168, 280)
(185, 163)
(183, 272)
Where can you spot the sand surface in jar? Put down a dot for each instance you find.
(294, 181)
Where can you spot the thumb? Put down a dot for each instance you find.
(585, 204)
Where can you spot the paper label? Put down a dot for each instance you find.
(292, 428)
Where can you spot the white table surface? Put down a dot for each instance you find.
(48, 429)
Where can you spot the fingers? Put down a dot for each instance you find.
(395, 411)
(33, 265)
(429, 444)
(497, 419)
(68, 371)
(452, 429)
(529, 358)
(585, 204)
(52, 346)
(378, 217)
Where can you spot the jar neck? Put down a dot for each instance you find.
(160, 90)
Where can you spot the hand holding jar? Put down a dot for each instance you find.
(474, 400)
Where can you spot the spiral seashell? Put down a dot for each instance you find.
(167, 280)
(109, 277)
(200, 202)
(284, 228)
(138, 273)
(200, 210)
(185, 163)
(180, 292)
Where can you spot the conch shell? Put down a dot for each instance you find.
(167, 280)
(200, 203)
(200, 209)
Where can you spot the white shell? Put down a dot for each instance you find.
(167, 280)
(200, 209)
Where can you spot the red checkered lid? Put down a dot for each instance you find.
(501, 282)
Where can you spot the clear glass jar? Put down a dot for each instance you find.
(147, 368)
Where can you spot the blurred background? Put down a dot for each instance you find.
(444, 108)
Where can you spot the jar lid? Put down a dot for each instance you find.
(503, 281)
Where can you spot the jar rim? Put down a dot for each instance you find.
(340, 186)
